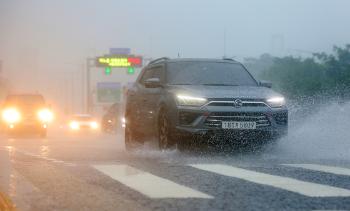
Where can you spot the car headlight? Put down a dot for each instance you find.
(11, 115)
(94, 125)
(123, 122)
(74, 125)
(276, 102)
(45, 115)
(186, 100)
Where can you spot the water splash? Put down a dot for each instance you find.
(325, 134)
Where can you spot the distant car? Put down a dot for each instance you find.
(26, 113)
(175, 100)
(110, 120)
(83, 122)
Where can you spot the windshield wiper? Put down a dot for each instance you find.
(213, 84)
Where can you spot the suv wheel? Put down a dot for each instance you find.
(131, 142)
(165, 137)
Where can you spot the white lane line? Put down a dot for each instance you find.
(322, 168)
(49, 159)
(53, 160)
(58, 161)
(289, 184)
(148, 184)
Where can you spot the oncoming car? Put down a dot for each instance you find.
(26, 113)
(175, 100)
(83, 122)
(110, 120)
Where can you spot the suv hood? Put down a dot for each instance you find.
(243, 92)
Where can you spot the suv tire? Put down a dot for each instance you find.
(166, 139)
(131, 139)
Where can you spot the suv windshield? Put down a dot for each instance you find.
(208, 73)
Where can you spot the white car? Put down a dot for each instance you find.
(83, 122)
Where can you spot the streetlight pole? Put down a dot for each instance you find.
(81, 67)
(88, 84)
(83, 108)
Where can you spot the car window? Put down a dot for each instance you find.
(154, 72)
(146, 75)
(157, 73)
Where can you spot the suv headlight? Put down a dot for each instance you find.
(11, 115)
(276, 102)
(186, 100)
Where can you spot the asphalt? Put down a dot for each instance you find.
(94, 172)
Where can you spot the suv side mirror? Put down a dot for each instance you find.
(153, 83)
(265, 84)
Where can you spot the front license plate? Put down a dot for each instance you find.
(239, 125)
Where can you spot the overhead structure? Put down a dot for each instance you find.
(119, 61)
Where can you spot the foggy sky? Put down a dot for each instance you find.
(44, 38)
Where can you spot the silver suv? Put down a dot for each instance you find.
(175, 100)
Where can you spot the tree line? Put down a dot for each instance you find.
(320, 74)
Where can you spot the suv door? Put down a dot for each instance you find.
(149, 98)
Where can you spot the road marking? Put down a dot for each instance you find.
(53, 160)
(322, 168)
(58, 161)
(148, 184)
(289, 184)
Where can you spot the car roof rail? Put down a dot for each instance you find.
(158, 60)
(229, 59)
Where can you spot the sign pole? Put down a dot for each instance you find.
(88, 93)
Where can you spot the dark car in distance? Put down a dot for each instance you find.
(175, 100)
(110, 120)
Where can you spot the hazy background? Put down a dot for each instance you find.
(44, 43)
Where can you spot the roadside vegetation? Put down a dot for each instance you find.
(320, 76)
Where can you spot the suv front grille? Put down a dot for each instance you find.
(30, 117)
(215, 119)
(231, 102)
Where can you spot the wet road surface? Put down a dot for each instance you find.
(94, 172)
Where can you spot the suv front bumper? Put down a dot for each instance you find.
(208, 120)
(26, 127)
